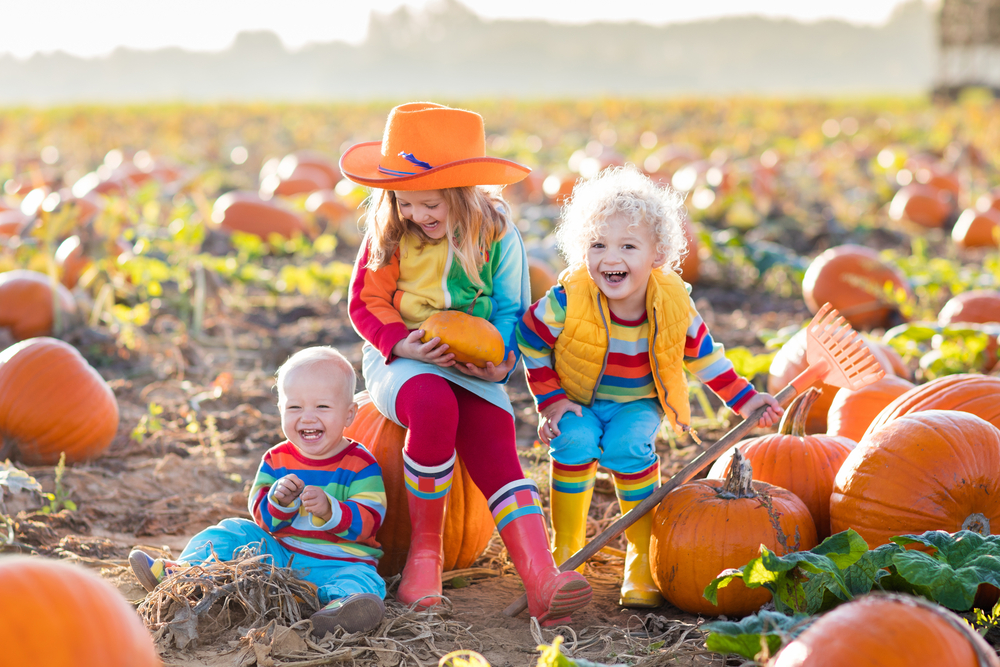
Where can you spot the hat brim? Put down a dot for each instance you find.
(360, 164)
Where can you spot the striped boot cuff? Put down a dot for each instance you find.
(637, 486)
(516, 499)
(573, 478)
(428, 482)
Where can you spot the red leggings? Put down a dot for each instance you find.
(443, 418)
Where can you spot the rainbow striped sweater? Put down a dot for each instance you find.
(352, 480)
(628, 375)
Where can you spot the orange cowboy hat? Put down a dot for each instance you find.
(428, 146)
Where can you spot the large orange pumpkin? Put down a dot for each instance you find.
(468, 522)
(791, 360)
(473, 340)
(977, 229)
(706, 526)
(852, 411)
(852, 279)
(931, 470)
(964, 392)
(58, 614)
(53, 401)
(803, 464)
(888, 631)
(246, 212)
(26, 303)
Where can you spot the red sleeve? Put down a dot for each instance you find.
(370, 306)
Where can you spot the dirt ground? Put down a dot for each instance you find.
(159, 492)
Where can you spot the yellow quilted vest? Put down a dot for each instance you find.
(581, 351)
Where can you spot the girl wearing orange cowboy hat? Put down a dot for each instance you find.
(435, 239)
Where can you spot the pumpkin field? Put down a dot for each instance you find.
(158, 263)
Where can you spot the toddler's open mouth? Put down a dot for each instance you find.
(311, 434)
(615, 276)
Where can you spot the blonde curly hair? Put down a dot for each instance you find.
(622, 192)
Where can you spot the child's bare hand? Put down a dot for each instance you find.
(431, 352)
(548, 424)
(315, 500)
(491, 373)
(770, 417)
(287, 489)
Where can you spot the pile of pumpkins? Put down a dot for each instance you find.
(931, 201)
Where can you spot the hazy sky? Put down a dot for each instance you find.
(97, 27)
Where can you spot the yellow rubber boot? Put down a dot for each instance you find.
(572, 487)
(638, 589)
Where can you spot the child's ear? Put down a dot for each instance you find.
(659, 259)
(352, 413)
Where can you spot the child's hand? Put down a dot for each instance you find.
(548, 425)
(491, 373)
(287, 489)
(770, 417)
(431, 352)
(316, 501)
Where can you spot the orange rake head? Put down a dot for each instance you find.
(837, 354)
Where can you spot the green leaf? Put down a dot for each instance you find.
(960, 562)
(16, 479)
(747, 364)
(748, 636)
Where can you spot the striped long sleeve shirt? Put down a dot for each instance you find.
(351, 479)
(628, 375)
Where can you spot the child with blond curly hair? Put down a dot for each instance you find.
(605, 351)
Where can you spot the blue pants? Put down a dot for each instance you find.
(619, 436)
(334, 578)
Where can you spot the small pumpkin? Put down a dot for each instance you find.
(26, 303)
(852, 279)
(690, 268)
(241, 211)
(791, 360)
(922, 204)
(61, 614)
(964, 392)
(882, 630)
(852, 411)
(541, 276)
(473, 340)
(53, 401)
(977, 229)
(706, 526)
(803, 464)
(929, 470)
(468, 523)
(979, 306)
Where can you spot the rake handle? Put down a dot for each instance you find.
(700, 462)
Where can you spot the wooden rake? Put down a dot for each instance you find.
(836, 355)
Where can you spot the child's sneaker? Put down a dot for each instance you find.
(150, 571)
(359, 612)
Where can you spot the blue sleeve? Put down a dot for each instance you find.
(511, 290)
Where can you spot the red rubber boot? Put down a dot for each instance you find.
(552, 595)
(422, 572)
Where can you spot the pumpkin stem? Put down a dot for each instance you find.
(793, 422)
(474, 299)
(739, 479)
(977, 523)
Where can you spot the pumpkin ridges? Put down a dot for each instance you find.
(889, 485)
(964, 392)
